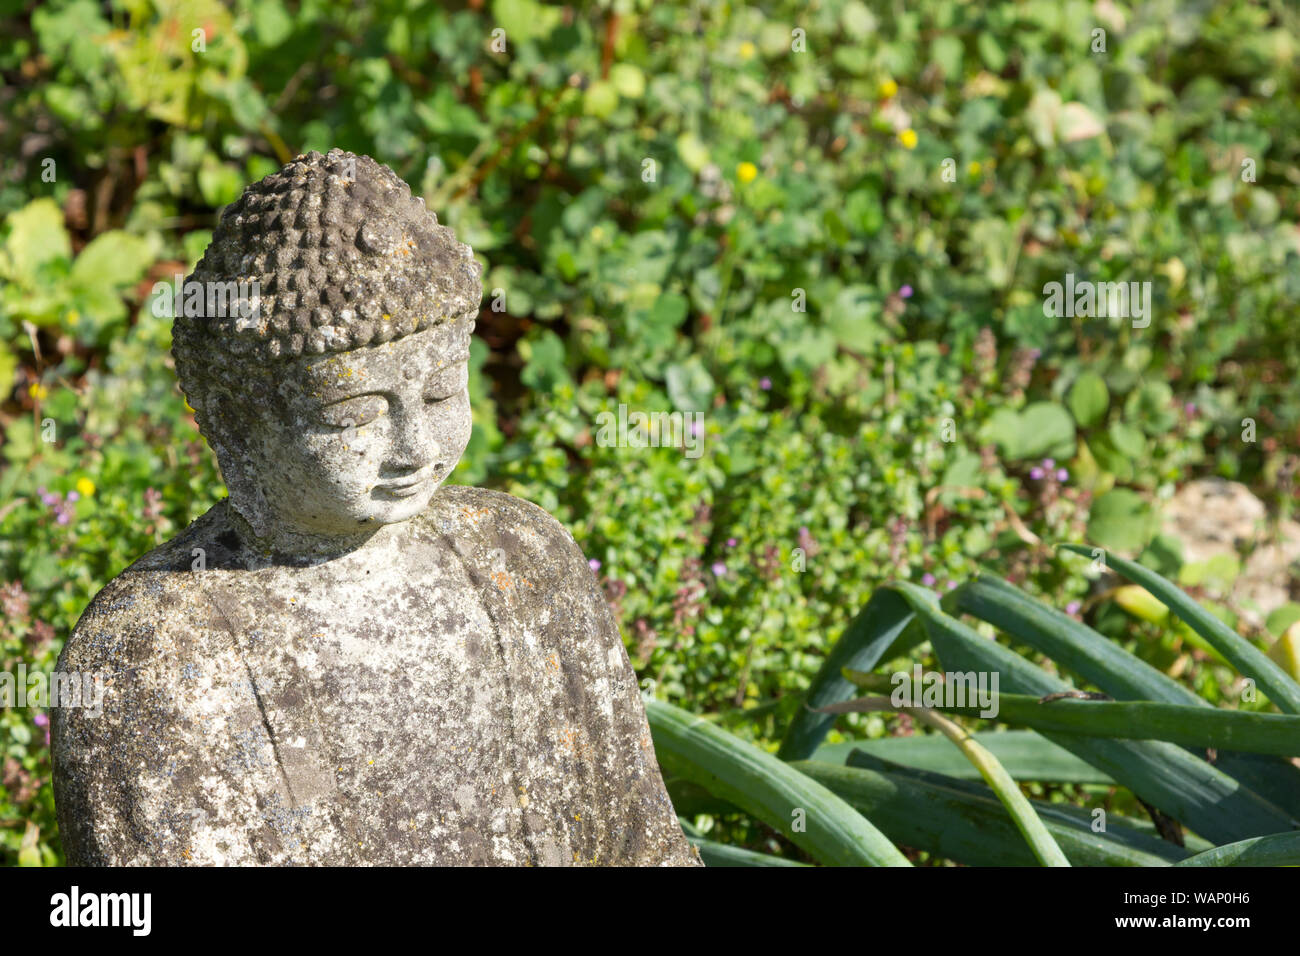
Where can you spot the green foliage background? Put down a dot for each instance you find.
(655, 188)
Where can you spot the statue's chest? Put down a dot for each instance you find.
(427, 716)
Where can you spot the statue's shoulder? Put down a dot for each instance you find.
(158, 594)
(141, 647)
(523, 554)
(494, 519)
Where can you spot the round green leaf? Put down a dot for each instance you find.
(1089, 399)
(1121, 520)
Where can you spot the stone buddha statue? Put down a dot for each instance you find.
(345, 662)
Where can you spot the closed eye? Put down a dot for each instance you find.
(448, 383)
(353, 412)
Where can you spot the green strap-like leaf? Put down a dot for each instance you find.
(719, 854)
(877, 630)
(1144, 720)
(1249, 660)
(974, 828)
(991, 770)
(1276, 849)
(1147, 837)
(1072, 644)
(1025, 754)
(995, 775)
(813, 817)
(1169, 778)
(1078, 648)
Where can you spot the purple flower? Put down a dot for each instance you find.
(950, 585)
(1036, 473)
(927, 579)
(41, 720)
(1073, 608)
(765, 384)
(1062, 474)
(719, 569)
(1190, 408)
(63, 518)
(74, 495)
(731, 542)
(905, 292)
(1049, 463)
(47, 499)
(593, 564)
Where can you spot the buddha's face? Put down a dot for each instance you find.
(364, 438)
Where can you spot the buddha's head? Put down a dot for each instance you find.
(335, 390)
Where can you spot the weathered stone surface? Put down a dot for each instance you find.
(344, 663)
(1212, 517)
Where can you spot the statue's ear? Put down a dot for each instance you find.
(228, 432)
(213, 407)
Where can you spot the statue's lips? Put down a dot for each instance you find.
(405, 487)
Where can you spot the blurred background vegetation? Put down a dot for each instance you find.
(827, 226)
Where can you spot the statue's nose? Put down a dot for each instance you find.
(414, 445)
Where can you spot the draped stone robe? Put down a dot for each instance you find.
(459, 696)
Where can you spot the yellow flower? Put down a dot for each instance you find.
(73, 317)
(747, 50)
(746, 172)
(974, 168)
(887, 89)
(38, 391)
(908, 138)
(85, 487)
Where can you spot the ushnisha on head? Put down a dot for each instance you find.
(335, 397)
